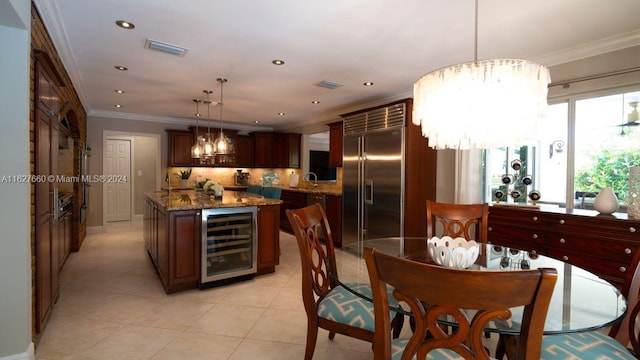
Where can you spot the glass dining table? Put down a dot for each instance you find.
(581, 300)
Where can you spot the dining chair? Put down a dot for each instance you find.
(452, 293)
(254, 189)
(329, 305)
(596, 344)
(469, 221)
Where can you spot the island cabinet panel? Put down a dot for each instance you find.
(335, 144)
(180, 143)
(601, 244)
(184, 248)
(290, 200)
(334, 217)
(268, 238)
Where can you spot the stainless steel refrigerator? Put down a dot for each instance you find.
(373, 176)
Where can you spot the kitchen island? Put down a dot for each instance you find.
(172, 232)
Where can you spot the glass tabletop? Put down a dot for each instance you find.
(581, 300)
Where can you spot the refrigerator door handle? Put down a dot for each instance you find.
(368, 192)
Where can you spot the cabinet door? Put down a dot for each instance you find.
(286, 150)
(184, 249)
(290, 200)
(162, 243)
(334, 216)
(244, 151)
(335, 144)
(180, 143)
(262, 149)
(268, 238)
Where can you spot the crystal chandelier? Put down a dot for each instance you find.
(481, 104)
(222, 144)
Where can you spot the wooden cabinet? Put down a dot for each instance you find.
(268, 238)
(290, 200)
(47, 234)
(262, 149)
(183, 249)
(64, 239)
(335, 144)
(172, 240)
(180, 143)
(601, 244)
(276, 150)
(286, 150)
(334, 216)
(244, 151)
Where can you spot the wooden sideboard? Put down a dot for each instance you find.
(602, 244)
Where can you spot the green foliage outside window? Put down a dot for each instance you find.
(609, 168)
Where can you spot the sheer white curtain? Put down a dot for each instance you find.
(468, 176)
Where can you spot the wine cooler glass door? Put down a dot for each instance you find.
(229, 243)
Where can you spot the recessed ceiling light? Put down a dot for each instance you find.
(118, 105)
(278, 62)
(257, 121)
(315, 102)
(121, 68)
(281, 113)
(368, 83)
(125, 24)
(119, 91)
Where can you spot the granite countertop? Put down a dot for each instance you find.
(191, 199)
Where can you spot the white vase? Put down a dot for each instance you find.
(633, 199)
(606, 201)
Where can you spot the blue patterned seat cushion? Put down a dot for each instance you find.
(592, 345)
(398, 345)
(342, 306)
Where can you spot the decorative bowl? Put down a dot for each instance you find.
(455, 253)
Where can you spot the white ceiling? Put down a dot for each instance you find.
(390, 43)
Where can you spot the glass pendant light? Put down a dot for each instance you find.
(196, 149)
(208, 149)
(222, 145)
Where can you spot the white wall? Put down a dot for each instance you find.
(96, 129)
(15, 242)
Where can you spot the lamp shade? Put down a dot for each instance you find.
(481, 104)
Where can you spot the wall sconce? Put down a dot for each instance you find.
(556, 146)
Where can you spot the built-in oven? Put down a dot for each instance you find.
(229, 244)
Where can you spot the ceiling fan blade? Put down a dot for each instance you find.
(631, 123)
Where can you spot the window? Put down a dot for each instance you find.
(586, 143)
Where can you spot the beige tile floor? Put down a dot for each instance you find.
(112, 306)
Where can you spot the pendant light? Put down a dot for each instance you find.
(481, 104)
(222, 145)
(208, 149)
(196, 149)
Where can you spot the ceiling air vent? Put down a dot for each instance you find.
(164, 47)
(328, 84)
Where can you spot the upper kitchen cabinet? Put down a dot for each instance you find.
(244, 151)
(262, 145)
(286, 150)
(276, 150)
(180, 143)
(335, 144)
(226, 160)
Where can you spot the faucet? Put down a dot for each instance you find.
(315, 178)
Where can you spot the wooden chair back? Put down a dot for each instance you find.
(469, 221)
(448, 292)
(319, 269)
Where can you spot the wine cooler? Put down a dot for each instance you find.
(229, 244)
